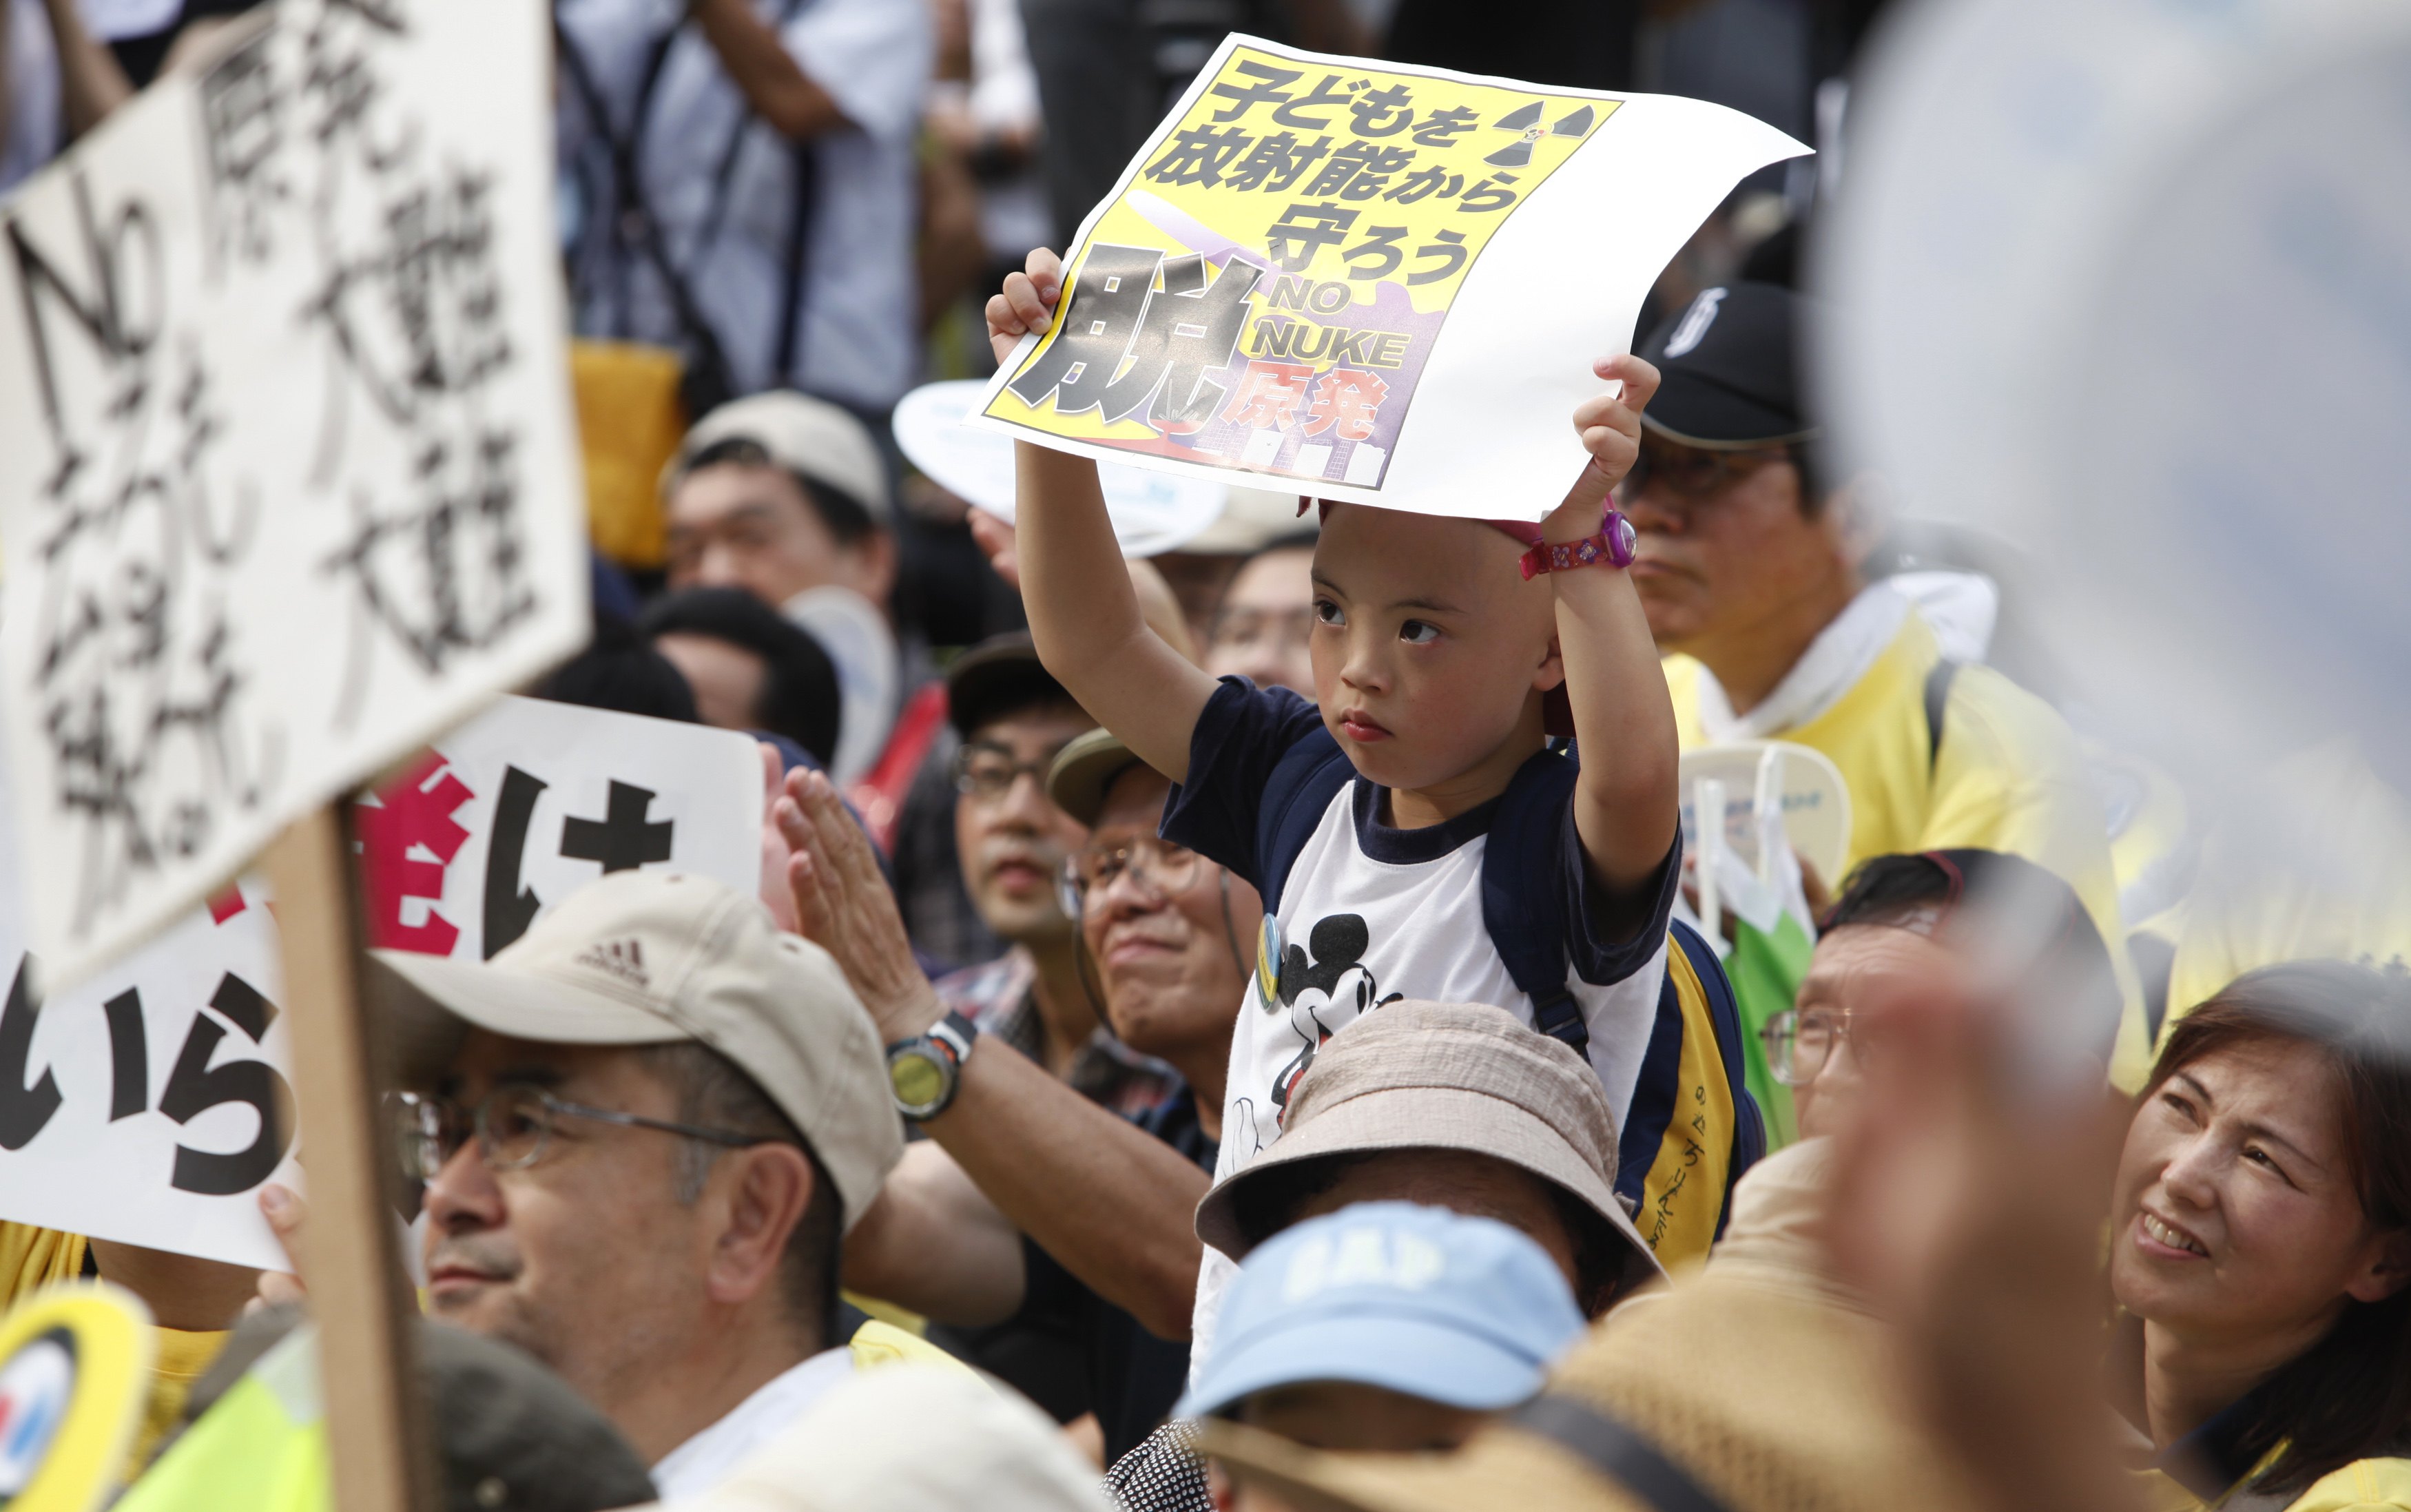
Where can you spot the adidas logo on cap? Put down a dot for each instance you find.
(622, 958)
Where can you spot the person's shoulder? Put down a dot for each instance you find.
(1240, 712)
(2362, 1486)
(2002, 721)
(876, 1343)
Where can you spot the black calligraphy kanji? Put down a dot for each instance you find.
(1449, 247)
(510, 907)
(1304, 230)
(1277, 162)
(24, 1110)
(1198, 156)
(624, 838)
(195, 1086)
(1360, 170)
(244, 108)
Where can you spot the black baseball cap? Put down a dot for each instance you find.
(1728, 367)
(1000, 675)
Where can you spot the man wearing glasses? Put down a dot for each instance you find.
(1040, 998)
(1749, 566)
(644, 1129)
(975, 1226)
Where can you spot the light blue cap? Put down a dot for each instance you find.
(1419, 1300)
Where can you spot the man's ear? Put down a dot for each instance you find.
(757, 1195)
(1854, 519)
(872, 570)
(2388, 1273)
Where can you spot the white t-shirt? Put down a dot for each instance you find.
(698, 1466)
(720, 183)
(1369, 914)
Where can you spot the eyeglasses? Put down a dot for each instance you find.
(1166, 866)
(513, 1124)
(1693, 474)
(987, 773)
(1798, 1045)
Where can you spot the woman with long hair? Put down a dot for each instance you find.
(2261, 1243)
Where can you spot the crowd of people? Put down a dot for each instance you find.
(1241, 1029)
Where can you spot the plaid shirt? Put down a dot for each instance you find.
(1000, 997)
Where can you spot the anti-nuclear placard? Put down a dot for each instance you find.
(1370, 282)
(510, 814)
(148, 1103)
(289, 483)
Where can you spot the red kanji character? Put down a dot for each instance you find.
(410, 813)
(1269, 395)
(1345, 403)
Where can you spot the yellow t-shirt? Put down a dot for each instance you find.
(2008, 777)
(31, 1258)
(2377, 1485)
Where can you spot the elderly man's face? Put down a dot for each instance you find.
(1164, 944)
(733, 525)
(1723, 543)
(585, 1260)
(1012, 838)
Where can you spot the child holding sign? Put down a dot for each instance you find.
(1412, 836)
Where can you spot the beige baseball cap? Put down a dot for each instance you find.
(649, 958)
(1086, 770)
(909, 1437)
(1448, 1076)
(802, 434)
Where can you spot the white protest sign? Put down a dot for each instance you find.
(1152, 513)
(515, 811)
(289, 482)
(1372, 282)
(150, 1101)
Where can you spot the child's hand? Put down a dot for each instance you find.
(1028, 301)
(1610, 432)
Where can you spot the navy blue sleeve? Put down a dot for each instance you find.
(1241, 735)
(1608, 938)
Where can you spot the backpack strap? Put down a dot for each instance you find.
(1522, 905)
(1724, 1012)
(1305, 780)
(1937, 702)
(1615, 1451)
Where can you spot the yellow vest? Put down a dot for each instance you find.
(2008, 777)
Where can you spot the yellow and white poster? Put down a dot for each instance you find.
(1381, 284)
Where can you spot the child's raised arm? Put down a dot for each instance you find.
(1083, 612)
(1626, 804)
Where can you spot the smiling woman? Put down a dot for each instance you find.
(2263, 1242)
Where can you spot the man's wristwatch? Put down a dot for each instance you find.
(924, 1071)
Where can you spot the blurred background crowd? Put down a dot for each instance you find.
(780, 216)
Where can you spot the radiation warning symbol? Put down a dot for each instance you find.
(1524, 120)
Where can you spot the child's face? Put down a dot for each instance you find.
(1430, 649)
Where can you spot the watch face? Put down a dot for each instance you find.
(917, 1078)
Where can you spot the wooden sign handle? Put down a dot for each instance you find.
(379, 1445)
